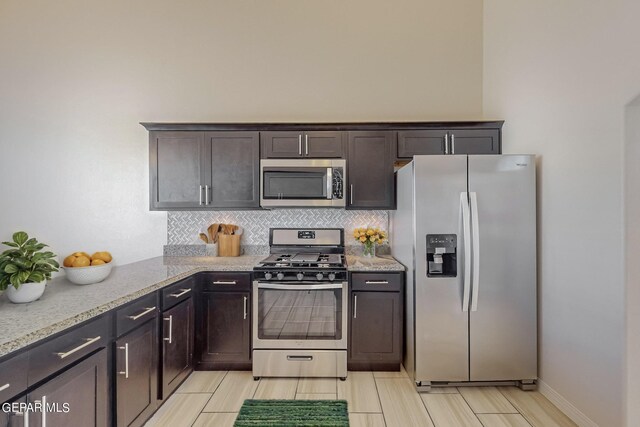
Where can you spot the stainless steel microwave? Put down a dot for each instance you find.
(302, 183)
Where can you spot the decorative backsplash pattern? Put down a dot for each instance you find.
(183, 227)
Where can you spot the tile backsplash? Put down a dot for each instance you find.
(183, 227)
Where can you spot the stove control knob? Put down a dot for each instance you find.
(332, 277)
(268, 276)
(319, 276)
(280, 276)
(300, 276)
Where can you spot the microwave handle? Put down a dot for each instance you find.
(329, 183)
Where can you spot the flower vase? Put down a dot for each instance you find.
(369, 250)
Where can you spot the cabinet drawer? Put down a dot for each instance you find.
(67, 348)
(13, 376)
(391, 282)
(176, 293)
(225, 281)
(136, 313)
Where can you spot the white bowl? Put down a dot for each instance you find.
(88, 275)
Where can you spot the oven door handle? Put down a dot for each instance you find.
(299, 287)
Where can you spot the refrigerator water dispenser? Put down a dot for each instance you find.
(441, 255)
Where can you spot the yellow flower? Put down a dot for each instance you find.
(356, 233)
(380, 241)
(372, 238)
(363, 239)
(369, 232)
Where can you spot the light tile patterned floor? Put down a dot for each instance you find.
(375, 399)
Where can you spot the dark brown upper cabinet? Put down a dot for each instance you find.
(311, 144)
(204, 170)
(448, 141)
(370, 177)
(178, 170)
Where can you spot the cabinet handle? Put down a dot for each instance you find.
(4, 387)
(376, 282)
(245, 308)
(126, 360)
(453, 144)
(446, 143)
(88, 342)
(206, 194)
(201, 195)
(146, 311)
(225, 282)
(355, 306)
(170, 319)
(300, 145)
(351, 194)
(184, 291)
(42, 402)
(306, 145)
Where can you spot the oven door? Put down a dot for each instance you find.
(300, 315)
(304, 182)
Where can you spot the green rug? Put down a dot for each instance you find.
(299, 413)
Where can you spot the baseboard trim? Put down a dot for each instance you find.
(576, 415)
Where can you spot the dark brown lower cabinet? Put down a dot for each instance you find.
(76, 397)
(224, 330)
(136, 371)
(375, 341)
(177, 345)
(10, 418)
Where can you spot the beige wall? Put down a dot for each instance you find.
(77, 77)
(560, 74)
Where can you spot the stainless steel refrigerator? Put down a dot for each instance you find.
(465, 228)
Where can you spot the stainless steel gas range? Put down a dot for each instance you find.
(300, 305)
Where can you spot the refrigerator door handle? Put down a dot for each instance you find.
(476, 252)
(466, 225)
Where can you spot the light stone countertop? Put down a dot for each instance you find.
(378, 263)
(65, 304)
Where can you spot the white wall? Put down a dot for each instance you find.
(632, 249)
(560, 74)
(78, 76)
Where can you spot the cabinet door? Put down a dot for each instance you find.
(376, 335)
(177, 345)
(281, 145)
(414, 142)
(178, 167)
(235, 170)
(475, 141)
(10, 418)
(225, 329)
(323, 145)
(136, 361)
(77, 397)
(370, 170)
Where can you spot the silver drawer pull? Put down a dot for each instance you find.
(146, 311)
(225, 282)
(4, 387)
(377, 282)
(126, 360)
(300, 358)
(184, 291)
(170, 319)
(88, 342)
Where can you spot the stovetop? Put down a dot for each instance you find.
(304, 255)
(304, 260)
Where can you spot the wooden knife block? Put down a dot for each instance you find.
(228, 245)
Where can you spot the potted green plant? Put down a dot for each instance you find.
(25, 268)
